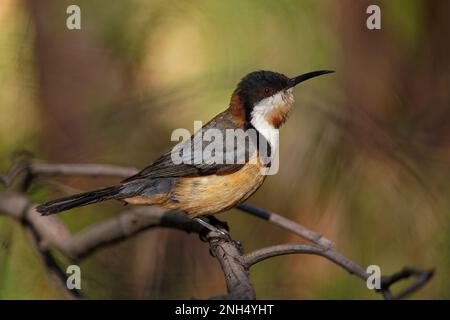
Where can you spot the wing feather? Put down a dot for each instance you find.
(165, 167)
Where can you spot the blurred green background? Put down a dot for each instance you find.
(364, 158)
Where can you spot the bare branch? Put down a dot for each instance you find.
(40, 233)
(14, 171)
(273, 251)
(229, 254)
(287, 224)
(423, 276)
(49, 232)
(90, 170)
(54, 270)
(124, 226)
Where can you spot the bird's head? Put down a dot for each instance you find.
(266, 97)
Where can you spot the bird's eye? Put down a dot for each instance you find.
(267, 91)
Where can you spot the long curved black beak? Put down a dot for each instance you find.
(296, 80)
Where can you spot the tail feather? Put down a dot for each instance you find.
(80, 199)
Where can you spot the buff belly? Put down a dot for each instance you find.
(207, 194)
(215, 193)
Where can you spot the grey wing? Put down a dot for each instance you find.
(209, 151)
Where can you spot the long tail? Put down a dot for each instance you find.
(81, 199)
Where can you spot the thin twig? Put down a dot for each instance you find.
(90, 170)
(423, 276)
(52, 267)
(287, 224)
(330, 254)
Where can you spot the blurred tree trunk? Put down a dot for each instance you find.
(395, 85)
(63, 61)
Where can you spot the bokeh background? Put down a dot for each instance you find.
(365, 156)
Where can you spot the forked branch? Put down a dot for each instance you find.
(50, 233)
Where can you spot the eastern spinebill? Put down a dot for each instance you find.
(261, 101)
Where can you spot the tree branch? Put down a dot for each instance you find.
(287, 224)
(90, 170)
(49, 232)
(330, 254)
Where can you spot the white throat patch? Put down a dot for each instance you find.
(263, 108)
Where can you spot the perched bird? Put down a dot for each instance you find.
(261, 102)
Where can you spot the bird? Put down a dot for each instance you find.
(261, 102)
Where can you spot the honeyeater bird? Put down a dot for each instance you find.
(261, 102)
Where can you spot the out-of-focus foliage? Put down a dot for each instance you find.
(364, 157)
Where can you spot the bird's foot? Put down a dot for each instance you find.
(220, 228)
(213, 224)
